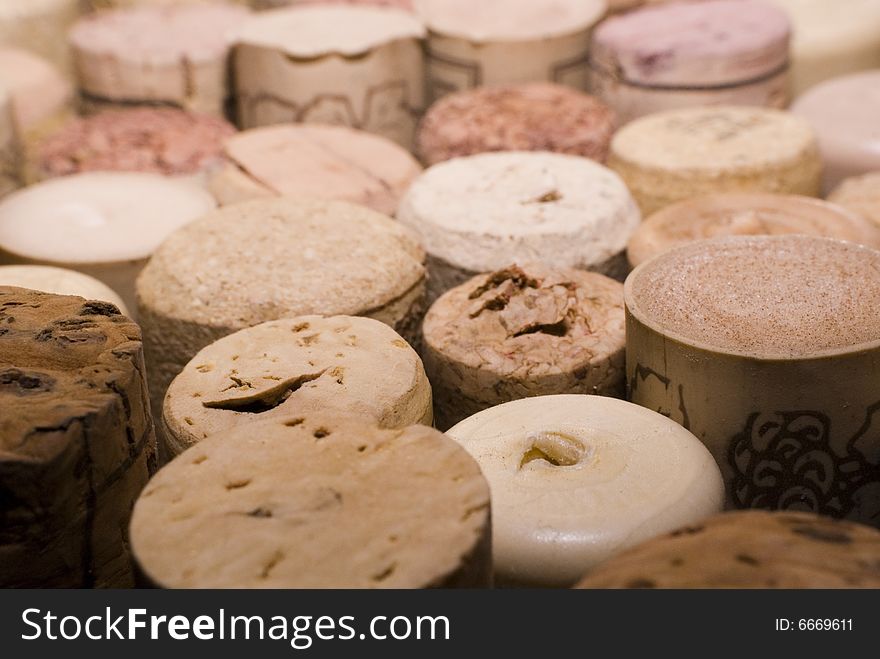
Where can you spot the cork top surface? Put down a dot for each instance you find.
(334, 162)
(536, 116)
(352, 365)
(860, 194)
(197, 32)
(60, 281)
(737, 214)
(770, 297)
(528, 322)
(317, 30)
(750, 549)
(577, 478)
(59, 358)
(509, 20)
(309, 502)
(821, 25)
(38, 89)
(273, 258)
(98, 217)
(844, 111)
(486, 211)
(710, 42)
(157, 140)
(722, 139)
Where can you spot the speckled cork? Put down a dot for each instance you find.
(343, 364)
(717, 215)
(175, 55)
(352, 65)
(314, 160)
(843, 112)
(523, 331)
(678, 154)
(60, 281)
(831, 39)
(316, 502)
(155, 140)
(498, 42)
(537, 116)
(268, 259)
(481, 213)
(10, 147)
(750, 549)
(860, 194)
(576, 479)
(76, 440)
(715, 52)
(766, 347)
(39, 26)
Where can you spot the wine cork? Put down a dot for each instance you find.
(40, 93)
(482, 213)
(527, 117)
(316, 502)
(103, 224)
(396, 4)
(716, 52)
(77, 444)
(576, 479)
(530, 330)
(718, 215)
(165, 141)
(268, 259)
(97, 5)
(356, 66)
(175, 55)
(10, 147)
(831, 38)
(495, 42)
(315, 160)
(60, 281)
(860, 194)
(39, 26)
(345, 364)
(843, 112)
(750, 549)
(768, 349)
(672, 156)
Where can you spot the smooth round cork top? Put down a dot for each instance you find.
(735, 214)
(537, 116)
(308, 502)
(149, 139)
(529, 321)
(273, 258)
(860, 194)
(575, 479)
(483, 212)
(681, 43)
(843, 112)
(509, 20)
(333, 162)
(60, 281)
(98, 217)
(719, 139)
(160, 35)
(37, 88)
(315, 31)
(302, 365)
(767, 297)
(821, 26)
(750, 549)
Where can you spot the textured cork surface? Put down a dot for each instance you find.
(527, 117)
(158, 140)
(750, 549)
(76, 440)
(576, 479)
(524, 331)
(317, 502)
(769, 297)
(351, 365)
(860, 194)
(719, 215)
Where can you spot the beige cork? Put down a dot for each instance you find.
(523, 331)
(60, 281)
(860, 194)
(10, 147)
(343, 364)
(316, 502)
(674, 155)
(40, 26)
(750, 549)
